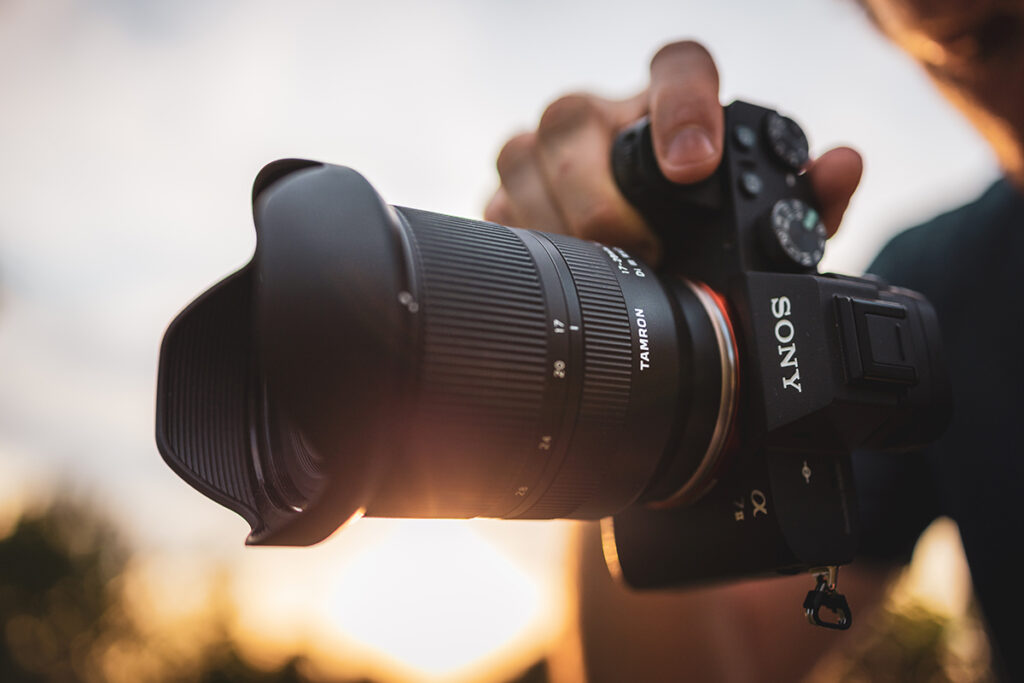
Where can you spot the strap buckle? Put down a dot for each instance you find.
(824, 594)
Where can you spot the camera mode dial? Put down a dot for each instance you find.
(794, 235)
(786, 141)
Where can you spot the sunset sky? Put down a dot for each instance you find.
(130, 133)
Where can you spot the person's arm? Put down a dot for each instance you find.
(750, 631)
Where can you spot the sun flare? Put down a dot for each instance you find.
(437, 599)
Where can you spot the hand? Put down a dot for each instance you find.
(559, 178)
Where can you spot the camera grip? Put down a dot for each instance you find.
(663, 204)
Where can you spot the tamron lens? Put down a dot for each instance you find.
(409, 364)
(387, 361)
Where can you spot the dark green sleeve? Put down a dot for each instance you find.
(895, 493)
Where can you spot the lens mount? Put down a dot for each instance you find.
(702, 477)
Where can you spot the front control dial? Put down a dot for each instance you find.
(794, 235)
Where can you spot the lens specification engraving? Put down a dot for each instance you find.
(623, 262)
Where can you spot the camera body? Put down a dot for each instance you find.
(827, 363)
(384, 361)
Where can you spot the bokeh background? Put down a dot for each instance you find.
(130, 132)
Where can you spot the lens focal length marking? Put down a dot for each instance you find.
(587, 475)
(540, 395)
(565, 385)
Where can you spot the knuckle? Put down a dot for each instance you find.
(516, 154)
(689, 57)
(497, 210)
(598, 220)
(567, 113)
(686, 49)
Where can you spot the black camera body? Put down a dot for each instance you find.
(827, 364)
(384, 361)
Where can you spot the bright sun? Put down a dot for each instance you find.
(435, 598)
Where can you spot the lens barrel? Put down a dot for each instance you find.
(411, 364)
(555, 376)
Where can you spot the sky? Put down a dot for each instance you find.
(130, 132)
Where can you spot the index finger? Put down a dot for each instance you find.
(686, 116)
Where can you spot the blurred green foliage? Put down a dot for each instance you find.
(65, 616)
(58, 598)
(63, 610)
(908, 642)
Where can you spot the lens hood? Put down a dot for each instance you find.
(284, 375)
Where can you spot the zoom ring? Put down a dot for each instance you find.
(607, 379)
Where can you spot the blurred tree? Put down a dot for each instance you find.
(58, 603)
(910, 642)
(64, 617)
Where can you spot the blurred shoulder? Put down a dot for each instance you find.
(960, 242)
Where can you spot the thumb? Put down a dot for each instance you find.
(686, 116)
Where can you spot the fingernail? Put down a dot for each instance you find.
(691, 145)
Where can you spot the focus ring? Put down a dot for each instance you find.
(483, 366)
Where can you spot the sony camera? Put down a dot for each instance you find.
(385, 361)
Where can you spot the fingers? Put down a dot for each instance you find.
(834, 177)
(686, 116)
(559, 178)
(574, 140)
(499, 210)
(525, 201)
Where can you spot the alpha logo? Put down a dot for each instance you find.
(784, 333)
